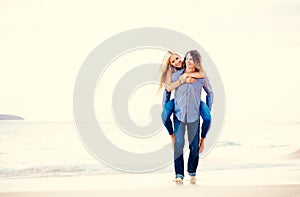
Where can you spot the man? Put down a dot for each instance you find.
(187, 101)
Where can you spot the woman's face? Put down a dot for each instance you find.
(175, 61)
(189, 62)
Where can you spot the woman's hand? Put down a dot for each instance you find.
(182, 78)
(190, 80)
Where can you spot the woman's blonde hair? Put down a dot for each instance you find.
(165, 66)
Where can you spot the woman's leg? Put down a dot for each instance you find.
(166, 114)
(206, 117)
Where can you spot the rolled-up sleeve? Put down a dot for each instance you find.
(209, 93)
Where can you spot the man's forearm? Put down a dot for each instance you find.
(209, 100)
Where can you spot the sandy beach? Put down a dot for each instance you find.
(207, 191)
(223, 183)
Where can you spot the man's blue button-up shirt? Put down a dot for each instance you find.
(188, 96)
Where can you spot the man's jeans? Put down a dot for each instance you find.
(204, 113)
(193, 138)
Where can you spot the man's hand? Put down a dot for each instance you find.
(201, 145)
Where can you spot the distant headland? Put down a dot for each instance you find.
(10, 117)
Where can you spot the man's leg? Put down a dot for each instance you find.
(193, 137)
(179, 130)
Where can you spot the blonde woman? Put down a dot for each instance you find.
(172, 63)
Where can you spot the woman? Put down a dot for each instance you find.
(171, 63)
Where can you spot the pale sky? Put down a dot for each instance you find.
(254, 44)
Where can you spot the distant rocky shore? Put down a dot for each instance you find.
(10, 117)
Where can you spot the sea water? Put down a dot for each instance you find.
(54, 149)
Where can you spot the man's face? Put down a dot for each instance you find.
(189, 62)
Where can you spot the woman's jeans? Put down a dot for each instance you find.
(204, 113)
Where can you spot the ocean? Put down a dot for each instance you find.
(54, 149)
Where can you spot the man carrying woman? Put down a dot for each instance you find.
(187, 79)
